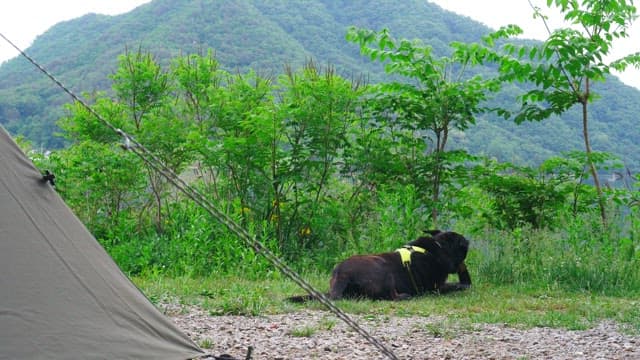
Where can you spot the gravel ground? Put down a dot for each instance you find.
(321, 335)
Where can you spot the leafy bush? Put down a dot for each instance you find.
(304, 165)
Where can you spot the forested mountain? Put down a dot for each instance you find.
(266, 35)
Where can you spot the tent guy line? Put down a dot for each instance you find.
(131, 144)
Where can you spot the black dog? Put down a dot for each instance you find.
(422, 266)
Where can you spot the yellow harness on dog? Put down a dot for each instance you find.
(405, 256)
(406, 251)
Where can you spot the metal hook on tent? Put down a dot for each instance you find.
(49, 177)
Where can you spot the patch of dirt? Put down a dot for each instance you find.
(320, 335)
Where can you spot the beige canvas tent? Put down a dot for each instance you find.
(61, 295)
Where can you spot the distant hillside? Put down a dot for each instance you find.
(266, 35)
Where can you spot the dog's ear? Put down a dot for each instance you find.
(428, 243)
(432, 232)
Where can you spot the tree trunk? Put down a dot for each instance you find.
(587, 145)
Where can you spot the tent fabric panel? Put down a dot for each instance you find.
(62, 296)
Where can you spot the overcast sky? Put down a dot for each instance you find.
(22, 20)
(519, 12)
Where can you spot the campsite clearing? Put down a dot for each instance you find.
(314, 334)
(228, 314)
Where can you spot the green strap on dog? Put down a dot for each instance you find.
(405, 255)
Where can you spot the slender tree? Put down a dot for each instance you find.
(564, 67)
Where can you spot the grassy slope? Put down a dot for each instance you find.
(265, 36)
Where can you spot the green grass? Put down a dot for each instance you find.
(517, 306)
(305, 331)
(206, 343)
(571, 278)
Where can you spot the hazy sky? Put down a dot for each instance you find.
(22, 20)
(496, 13)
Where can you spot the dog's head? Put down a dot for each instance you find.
(449, 248)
